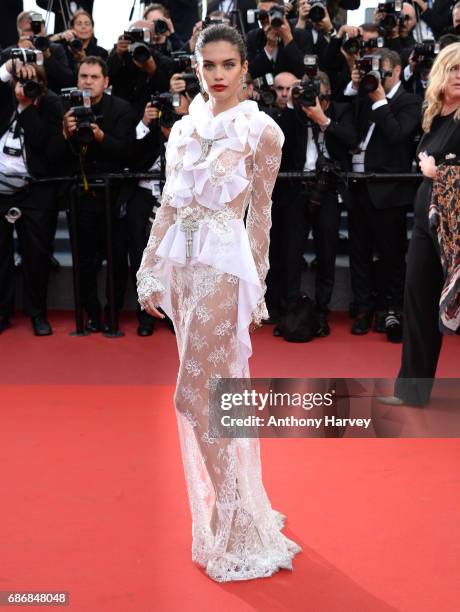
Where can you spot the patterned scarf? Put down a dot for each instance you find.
(444, 221)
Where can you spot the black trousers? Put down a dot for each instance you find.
(292, 219)
(422, 338)
(376, 231)
(35, 230)
(139, 210)
(91, 240)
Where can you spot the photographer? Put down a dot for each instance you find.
(318, 134)
(136, 69)
(30, 126)
(98, 140)
(164, 37)
(344, 49)
(79, 41)
(415, 75)
(397, 25)
(278, 46)
(438, 17)
(388, 119)
(32, 35)
(143, 198)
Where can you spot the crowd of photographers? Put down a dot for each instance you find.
(348, 99)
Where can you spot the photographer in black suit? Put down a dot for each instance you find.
(58, 72)
(318, 134)
(143, 197)
(135, 78)
(30, 133)
(388, 119)
(104, 147)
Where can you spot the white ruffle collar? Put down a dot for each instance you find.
(212, 169)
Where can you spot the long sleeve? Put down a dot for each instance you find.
(147, 283)
(267, 160)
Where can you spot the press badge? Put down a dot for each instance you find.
(12, 145)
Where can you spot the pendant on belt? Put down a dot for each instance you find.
(189, 226)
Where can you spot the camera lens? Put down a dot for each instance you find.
(161, 27)
(141, 53)
(76, 44)
(41, 43)
(31, 89)
(317, 13)
(370, 82)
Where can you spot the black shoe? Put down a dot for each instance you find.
(145, 329)
(41, 326)
(323, 326)
(4, 324)
(94, 326)
(393, 327)
(362, 324)
(277, 331)
(379, 322)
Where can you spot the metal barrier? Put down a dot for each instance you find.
(105, 181)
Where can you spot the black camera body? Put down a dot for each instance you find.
(192, 87)
(160, 26)
(393, 16)
(372, 73)
(76, 44)
(424, 54)
(140, 40)
(182, 61)
(166, 104)
(85, 117)
(276, 16)
(31, 87)
(327, 179)
(306, 93)
(264, 87)
(356, 45)
(317, 11)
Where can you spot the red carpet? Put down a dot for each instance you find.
(94, 501)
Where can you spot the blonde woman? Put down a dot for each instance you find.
(426, 282)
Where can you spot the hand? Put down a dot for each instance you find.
(378, 94)
(355, 78)
(271, 35)
(150, 307)
(25, 72)
(170, 26)
(196, 30)
(69, 125)
(351, 31)
(315, 113)
(412, 64)
(177, 84)
(423, 5)
(98, 133)
(122, 46)
(25, 43)
(150, 114)
(285, 32)
(304, 11)
(427, 165)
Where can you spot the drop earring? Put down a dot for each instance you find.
(243, 83)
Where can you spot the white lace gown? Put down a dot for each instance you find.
(211, 282)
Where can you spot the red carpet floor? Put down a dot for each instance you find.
(94, 502)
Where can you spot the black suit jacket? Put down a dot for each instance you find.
(340, 136)
(42, 128)
(391, 148)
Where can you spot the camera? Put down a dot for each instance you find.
(209, 21)
(370, 68)
(40, 42)
(166, 104)
(140, 39)
(355, 45)
(32, 88)
(192, 87)
(182, 61)
(76, 44)
(424, 54)
(317, 11)
(327, 179)
(160, 26)
(79, 102)
(392, 15)
(264, 87)
(253, 15)
(276, 16)
(306, 93)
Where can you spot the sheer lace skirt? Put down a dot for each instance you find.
(236, 535)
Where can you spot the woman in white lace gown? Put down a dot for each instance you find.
(207, 270)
